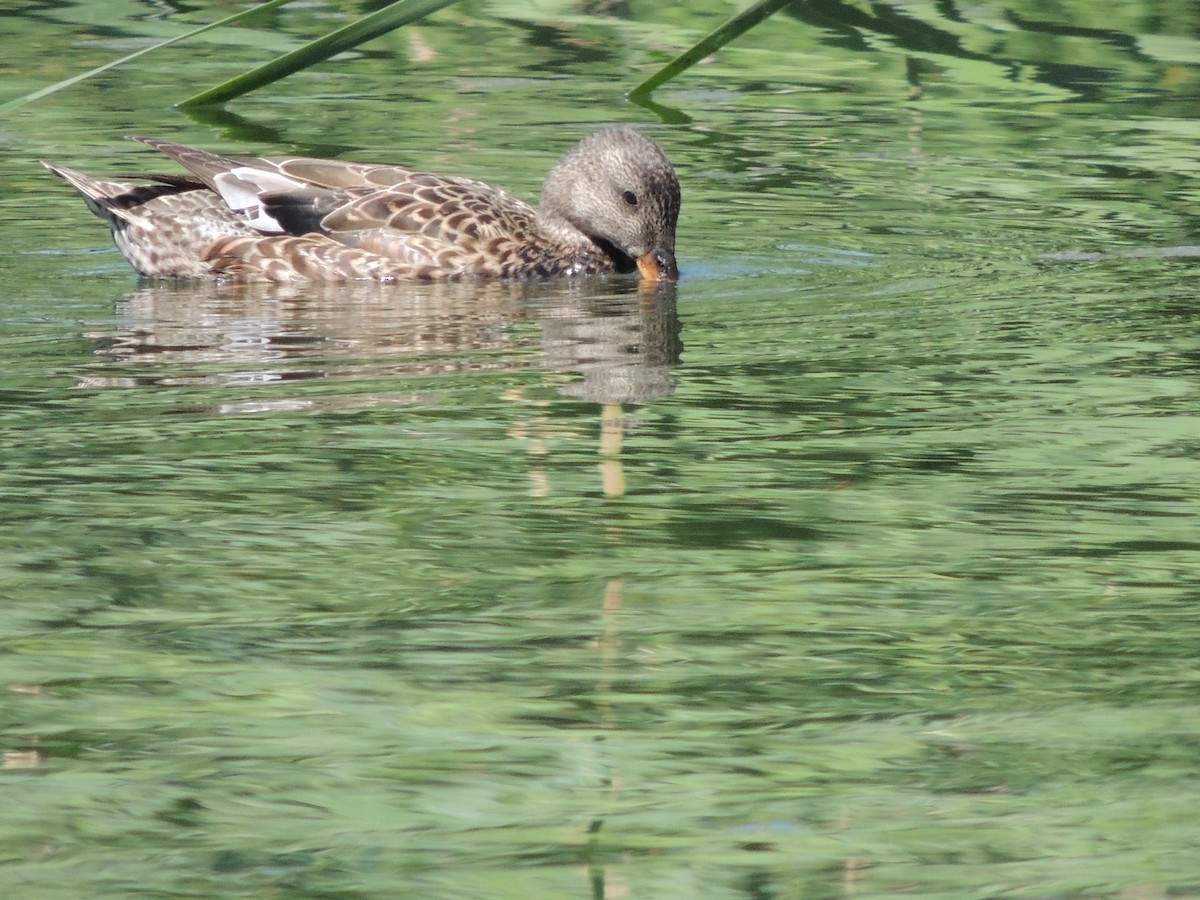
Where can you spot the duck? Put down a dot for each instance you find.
(609, 205)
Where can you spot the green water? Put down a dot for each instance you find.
(862, 563)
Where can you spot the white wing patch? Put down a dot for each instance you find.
(242, 187)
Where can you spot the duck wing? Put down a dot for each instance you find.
(439, 226)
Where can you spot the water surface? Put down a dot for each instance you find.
(861, 563)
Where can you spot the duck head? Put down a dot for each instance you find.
(618, 190)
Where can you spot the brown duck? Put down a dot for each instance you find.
(609, 205)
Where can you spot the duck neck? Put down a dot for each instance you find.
(568, 242)
(560, 231)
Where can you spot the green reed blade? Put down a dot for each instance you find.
(736, 26)
(367, 28)
(228, 20)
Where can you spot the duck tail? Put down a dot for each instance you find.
(113, 200)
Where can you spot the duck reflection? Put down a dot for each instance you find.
(623, 340)
(625, 350)
(624, 347)
(233, 334)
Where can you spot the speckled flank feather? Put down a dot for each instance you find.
(297, 219)
(158, 226)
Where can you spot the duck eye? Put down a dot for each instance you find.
(629, 197)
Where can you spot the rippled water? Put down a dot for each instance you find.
(860, 563)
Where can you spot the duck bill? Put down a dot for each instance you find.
(658, 265)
